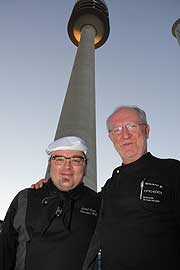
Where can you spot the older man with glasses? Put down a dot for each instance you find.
(51, 228)
(139, 223)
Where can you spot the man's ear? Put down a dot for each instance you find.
(85, 170)
(110, 136)
(147, 130)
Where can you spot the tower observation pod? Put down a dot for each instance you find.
(91, 13)
(88, 29)
(176, 30)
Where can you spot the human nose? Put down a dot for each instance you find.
(67, 163)
(125, 132)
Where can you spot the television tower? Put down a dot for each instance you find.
(88, 29)
(176, 30)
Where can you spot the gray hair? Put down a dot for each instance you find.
(141, 113)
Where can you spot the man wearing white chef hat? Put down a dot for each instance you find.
(50, 228)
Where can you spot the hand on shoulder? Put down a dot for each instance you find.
(39, 184)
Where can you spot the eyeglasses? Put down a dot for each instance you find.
(75, 160)
(131, 127)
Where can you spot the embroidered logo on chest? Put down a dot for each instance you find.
(88, 211)
(151, 192)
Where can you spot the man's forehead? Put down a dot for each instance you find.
(125, 115)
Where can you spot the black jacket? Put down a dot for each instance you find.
(48, 229)
(139, 224)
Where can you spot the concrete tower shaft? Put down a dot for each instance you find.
(89, 12)
(176, 30)
(78, 112)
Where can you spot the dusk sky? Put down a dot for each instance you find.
(138, 65)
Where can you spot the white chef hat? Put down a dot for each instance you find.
(67, 143)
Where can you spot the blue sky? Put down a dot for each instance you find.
(138, 65)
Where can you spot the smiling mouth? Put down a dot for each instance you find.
(126, 144)
(66, 174)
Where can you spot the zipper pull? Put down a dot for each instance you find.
(141, 190)
(58, 211)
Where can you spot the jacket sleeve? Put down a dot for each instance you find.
(91, 260)
(176, 189)
(8, 239)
